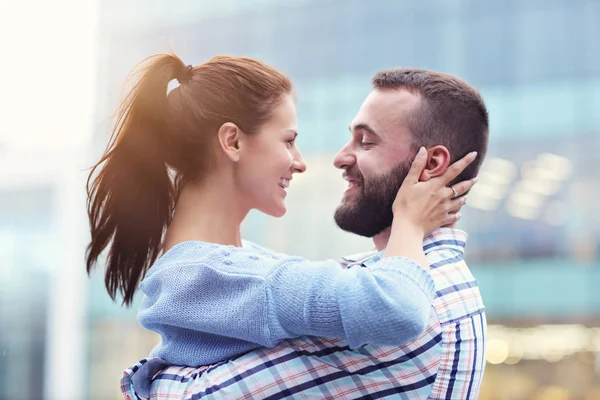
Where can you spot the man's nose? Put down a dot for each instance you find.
(344, 158)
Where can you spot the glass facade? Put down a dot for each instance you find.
(533, 222)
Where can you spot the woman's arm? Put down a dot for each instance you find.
(255, 298)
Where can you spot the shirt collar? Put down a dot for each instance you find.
(359, 258)
(442, 238)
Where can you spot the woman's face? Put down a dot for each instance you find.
(268, 161)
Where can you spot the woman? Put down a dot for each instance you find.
(227, 137)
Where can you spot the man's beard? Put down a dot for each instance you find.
(370, 211)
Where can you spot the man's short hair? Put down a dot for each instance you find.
(451, 113)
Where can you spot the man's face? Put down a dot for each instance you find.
(375, 161)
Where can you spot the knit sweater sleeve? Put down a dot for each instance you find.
(264, 299)
(387, 304)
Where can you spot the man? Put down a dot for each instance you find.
(407, 108)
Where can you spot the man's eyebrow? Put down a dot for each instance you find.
(363, 127)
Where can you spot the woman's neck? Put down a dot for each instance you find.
(208, 212)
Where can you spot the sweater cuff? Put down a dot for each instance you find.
(304, 301)
(322, 310)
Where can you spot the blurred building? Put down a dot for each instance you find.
(533, 220)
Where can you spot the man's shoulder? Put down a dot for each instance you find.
(445, 239)
(457, 291)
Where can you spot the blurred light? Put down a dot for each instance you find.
(483, 203)
(545, 342)
(519, 210)
(560, 167)
(515, 353)
(553, 355)
(595, 343)
(529, 171)
(496, 351)
(540, 178)
(58, 34)
(503, 168)
(488, 190)
(492, 178)
(526, 199)
(511, 360)
(486, 197)
(491, 188)
(540, 186)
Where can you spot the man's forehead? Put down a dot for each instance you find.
(386, 110)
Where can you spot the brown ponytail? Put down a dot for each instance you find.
(131, 195)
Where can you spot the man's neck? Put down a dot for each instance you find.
(381, 239)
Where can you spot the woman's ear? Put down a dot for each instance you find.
(229, 140)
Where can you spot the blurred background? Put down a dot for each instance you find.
(533, 220)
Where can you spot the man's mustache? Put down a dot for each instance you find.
(354, 174)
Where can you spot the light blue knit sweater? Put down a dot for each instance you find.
(212, 302)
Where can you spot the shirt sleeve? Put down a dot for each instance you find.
(263, 299)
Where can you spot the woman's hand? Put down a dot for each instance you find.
(432, 204)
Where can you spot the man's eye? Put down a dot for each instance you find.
(366, 144)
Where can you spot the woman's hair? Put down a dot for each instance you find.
(131, 192)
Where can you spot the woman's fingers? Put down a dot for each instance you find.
(417, 166)
(456, 204)
(461, 188)
(451, 218)
(456, 169)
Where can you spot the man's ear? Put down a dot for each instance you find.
(229, 138)
(438, 160)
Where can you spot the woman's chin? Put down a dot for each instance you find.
(276, 211)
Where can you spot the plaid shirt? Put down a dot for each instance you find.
(446, 362)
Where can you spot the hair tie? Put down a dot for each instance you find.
(185, 76)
